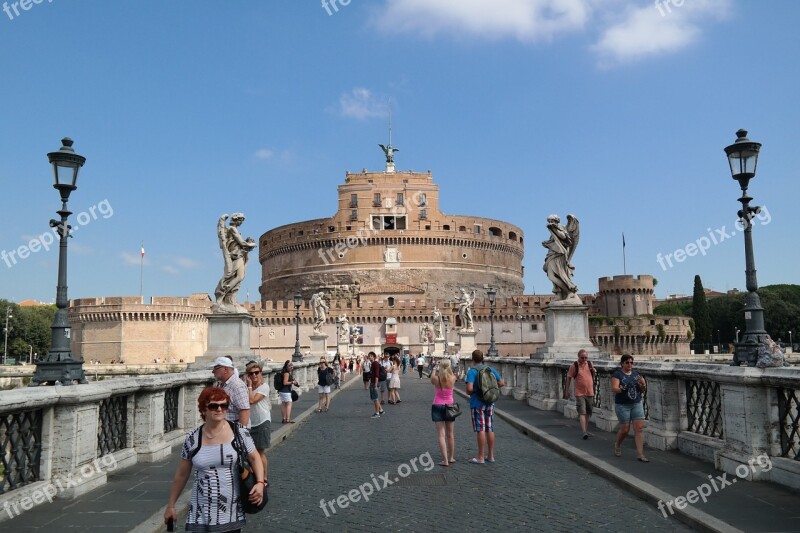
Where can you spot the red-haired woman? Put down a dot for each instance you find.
(210, 449)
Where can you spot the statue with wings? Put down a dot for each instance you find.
(388, 151)
(560, 249)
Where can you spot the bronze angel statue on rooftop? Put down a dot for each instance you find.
(558, 262)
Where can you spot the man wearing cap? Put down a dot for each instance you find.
(228, 380)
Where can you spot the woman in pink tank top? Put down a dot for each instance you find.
(443, 381)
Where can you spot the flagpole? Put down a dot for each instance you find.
(141, 271)
(624, 261)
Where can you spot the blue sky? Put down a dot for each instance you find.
(615, 111)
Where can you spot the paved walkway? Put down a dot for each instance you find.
(326, 465)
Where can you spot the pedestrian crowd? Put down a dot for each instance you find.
(236, 429)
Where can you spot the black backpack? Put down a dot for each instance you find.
(382, 373)
(277, 381)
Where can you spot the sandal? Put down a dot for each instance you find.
(319, 410)
(444, 463)
(617, 451)
(474, 461)
(643, 459)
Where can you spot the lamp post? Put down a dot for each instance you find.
(446, 320)
(790, 341)
(743, 158)
(5, 350)
(737, 334)
(520, 317)
(719, 344)
(58, 365)
(298, 300)
(492, 293)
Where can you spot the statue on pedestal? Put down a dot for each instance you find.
(234, 253)
(425, 333)
(465, 309)
(320, 311)
(344, 330)
(557, 264)
(438, 331)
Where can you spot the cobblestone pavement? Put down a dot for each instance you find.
(337, 455)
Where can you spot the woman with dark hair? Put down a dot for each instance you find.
(285, 392)
(213, 450)
(628, 385)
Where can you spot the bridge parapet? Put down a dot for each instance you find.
(60, 442)
(728, 416)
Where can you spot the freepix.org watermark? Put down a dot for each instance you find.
(715, 484)
(403, 210)
(715, 237)
(332, 6)
(46, 240)
(59, 484)
(663, 6)
(377, 484)
(13, 9)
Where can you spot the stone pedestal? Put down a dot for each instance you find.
(228, 334)
(319, 345)
(438, 347)
(467, 344)
(567, 328)
(344, 349)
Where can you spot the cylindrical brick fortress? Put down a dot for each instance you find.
(389, 234)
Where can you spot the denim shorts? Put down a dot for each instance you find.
(627, 412)
(438, 413)
(373, 392)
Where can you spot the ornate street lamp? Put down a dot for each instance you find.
(492, 293)
(5, 350)
(446, 320)
(298, 301)
(743, 158)
(58, 365)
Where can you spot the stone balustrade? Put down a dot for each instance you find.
(60, 442)
(725, 415)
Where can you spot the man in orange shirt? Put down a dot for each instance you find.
(583, 373)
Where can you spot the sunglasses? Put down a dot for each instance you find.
(217, 406)
(254, 373)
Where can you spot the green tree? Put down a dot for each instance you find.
(28, 329)
(670, 309)
(700, 314)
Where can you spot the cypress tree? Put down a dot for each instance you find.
(701, 315)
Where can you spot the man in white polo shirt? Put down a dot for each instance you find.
(228, 380)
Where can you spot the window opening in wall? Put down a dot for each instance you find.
(390, 301)
(376, 199)
(388, 222)
(477, 229)
(331, 229)
(353, 200)
(446, 227)
(348, 228)
(399, 200)
(534, 327)
(427, 226)
(354, 214)
(423, 214)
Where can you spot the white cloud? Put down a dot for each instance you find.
(186, 262)
(130, 258)
(526, 20)
(264, 153)
(663, 27)
(361, 104)
(626, 33)
(169, 269)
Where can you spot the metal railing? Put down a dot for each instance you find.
(704, 408)
(171, 397)
(20, 448)
(112, 430)
(789, 423)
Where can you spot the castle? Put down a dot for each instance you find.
(385, 259)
